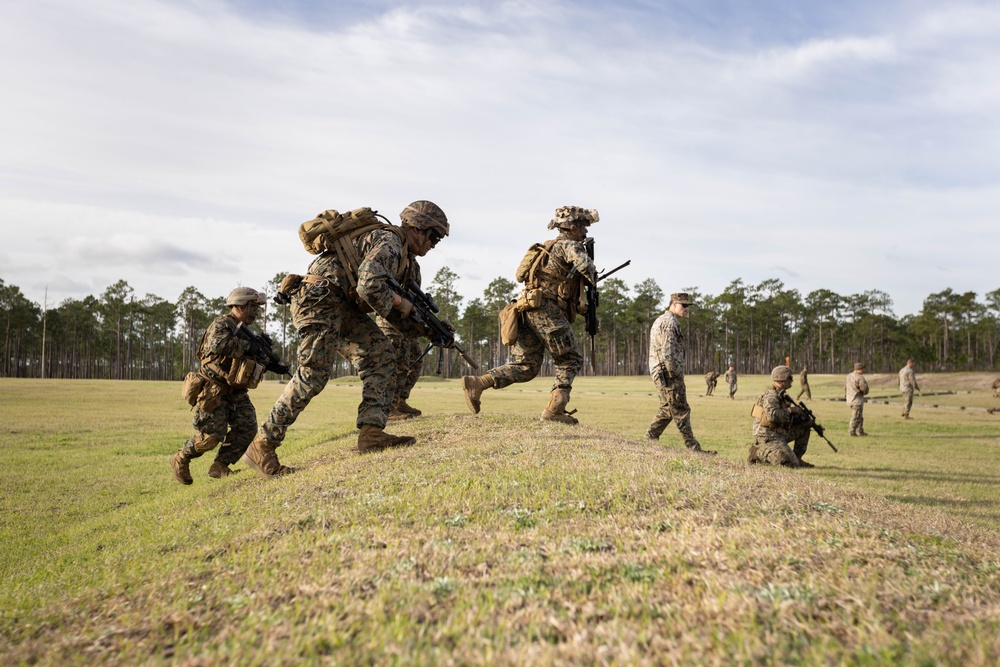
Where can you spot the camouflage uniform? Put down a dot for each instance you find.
(804, 384)
(406, 349)
(559, 282)
(666, 366)
(229, 419)
(783, 426)
(907, 383)
(731, 381)
(711, 379)
(856, 388)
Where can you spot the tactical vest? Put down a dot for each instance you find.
(556, 278)
(242, 373)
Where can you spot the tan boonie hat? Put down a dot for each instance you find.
(859, 366)
(682, 298)
(241, 296)
(781, 373)
(571, 216)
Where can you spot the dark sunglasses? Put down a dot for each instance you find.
(434, 236)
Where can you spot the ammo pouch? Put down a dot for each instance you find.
(193, 384)
(529, 299)
(245, 373)
(758, 413)
(509, 323)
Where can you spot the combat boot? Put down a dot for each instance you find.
(374, 439)
(219, 470)
(180, 463)
(397, 415)
(406, 408)
(752, 458)
(555, 411)
(474, 385)
(260, 456)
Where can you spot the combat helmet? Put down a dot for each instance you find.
(242, 296)
(781, 374)
(568, 217)
(424, 215)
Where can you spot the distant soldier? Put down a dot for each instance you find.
(907, 383)
(804, 384)
(224, 414)
(731, 381)
(330, 308)
(711, 379)
(856, 388)
(666, 366)
(548, 305)
(406, 350)
(778, 421)
(996, 388)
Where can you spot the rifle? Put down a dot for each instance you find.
(816, 426)
(260, 348)
(425, 315)
(593, 324)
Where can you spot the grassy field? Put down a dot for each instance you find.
(499, 539)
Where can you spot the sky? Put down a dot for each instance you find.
(848, 146)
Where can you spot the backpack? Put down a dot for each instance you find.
(531, 262)
(332, 231)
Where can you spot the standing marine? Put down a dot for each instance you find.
(330, 306)
(804, 384)
(856, 388)
(730, 379)
(552, 297)
(777, 421)
(666, 366)
(224, 414)
(907, 383)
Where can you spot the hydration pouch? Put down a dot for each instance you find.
(509, 323)
(193, 384)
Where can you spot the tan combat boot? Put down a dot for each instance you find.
(219, 470)
(555, 411)
(474, 387)
(260, 456)
(374, 439)
(179, 462)
(406, 408)
(752, 458)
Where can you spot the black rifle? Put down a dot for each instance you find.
(593, 325)
(425, 315)
(260, 349)
(816, 426)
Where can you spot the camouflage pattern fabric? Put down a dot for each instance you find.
(546, 328)
(804, 385)
(856, 388)
(220, 345)
(233, 423)
(711, 379)
(330, 323)
(771, 442)
(405, 346)
(907, 384)
(673, 407)
(563, 272)
(731, 381)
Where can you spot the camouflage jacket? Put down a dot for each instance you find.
(412, 273)
(731, 376)
(382, 255)
(804, 377)
(220, 346)
(666, 347)
(856, 388)
(777, 411)
(565, 267)
(908, 379)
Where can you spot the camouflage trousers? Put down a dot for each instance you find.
(710, 389)
(907, 401)
(857, 425)
(406, 349)
(545, 328)
(732, 390)
(330, 324)
(804, 390)
(771, 444)
(673, 407)
(233, 423)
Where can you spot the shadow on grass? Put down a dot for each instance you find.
(897, 475)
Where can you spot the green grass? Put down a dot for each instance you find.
(499, 539)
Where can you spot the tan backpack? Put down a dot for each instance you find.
(531, 262)
(332, 231)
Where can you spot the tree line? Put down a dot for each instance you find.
(120, 335)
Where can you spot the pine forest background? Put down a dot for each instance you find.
(118, 335)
